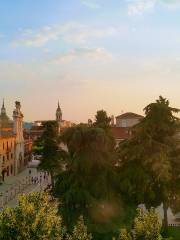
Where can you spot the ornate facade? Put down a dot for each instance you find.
(11, 142)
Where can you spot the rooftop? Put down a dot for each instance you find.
(129, 115)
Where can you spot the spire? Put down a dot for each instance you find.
(3, 104)
(58, 113)
(58, 105)
(3, 110)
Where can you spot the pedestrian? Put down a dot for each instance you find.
(40, 179)
(32, 180)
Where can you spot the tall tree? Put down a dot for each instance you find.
(87, 187)
(149, 161)
(52, 155)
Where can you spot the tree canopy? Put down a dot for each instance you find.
(147, 226)
(35, 218)
(149, 161)
(87, 187)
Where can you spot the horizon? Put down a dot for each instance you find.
(89, 55)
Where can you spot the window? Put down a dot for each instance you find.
(11, 169)
(124, 123)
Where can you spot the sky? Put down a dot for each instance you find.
(116, 55)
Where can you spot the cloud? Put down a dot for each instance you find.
(138, 7)
(83, 53)
(69, 32)
(91, 4)
(171, 4)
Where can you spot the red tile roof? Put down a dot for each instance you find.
(120, 133)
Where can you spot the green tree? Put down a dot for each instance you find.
(124, 235)
(52, 154)
(149, 161)
(35, 218)
(102, 120)
(147, 226)
(80, 231)
(87, 187)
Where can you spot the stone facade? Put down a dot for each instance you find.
(11, 142)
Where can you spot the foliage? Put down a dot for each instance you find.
(88, 186)
(124, 235)
(38, 146)
(34, 218)
(147, 226)
(102, 120)
(52, 155)
(150, 161)
(80, 231)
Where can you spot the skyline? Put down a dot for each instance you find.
(116, 55)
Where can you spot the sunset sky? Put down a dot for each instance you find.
(116, 55)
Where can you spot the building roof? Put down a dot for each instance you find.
(120, 133)
(128, 115)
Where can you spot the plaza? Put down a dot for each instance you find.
(29, 180)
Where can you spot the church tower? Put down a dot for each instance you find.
(18, 131)
(3, 110)
(59, 117)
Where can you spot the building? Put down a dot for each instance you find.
(128, 119)
(28, 143)
(37, 128)
(121, 130)
(11, 142)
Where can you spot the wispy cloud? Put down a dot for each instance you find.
(171, 4)
(91, 4)
(138, 7)
(69, 32)
(83, 53)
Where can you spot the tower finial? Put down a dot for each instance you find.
(58, 105)
(3, 110)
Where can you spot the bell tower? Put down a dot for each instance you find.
(59, 116)
(18, 131)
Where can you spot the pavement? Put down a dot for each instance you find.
(22, 183)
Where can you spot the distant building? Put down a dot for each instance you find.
(37, 128)
(128, 119)
(121, 130)
(11, 142)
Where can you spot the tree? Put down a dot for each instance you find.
(147, 226)
(35, 218)
(80, 231)
(52, 155)
(149, 161)
(102, 120)
(87, 187)
(124, 235)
